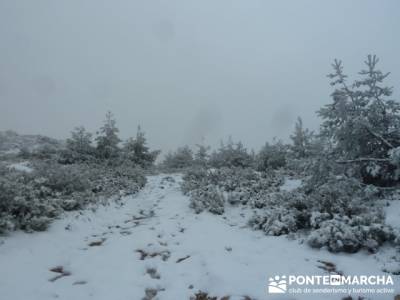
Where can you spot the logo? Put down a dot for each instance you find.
(277, 285)
(335, 279)
(333, 283)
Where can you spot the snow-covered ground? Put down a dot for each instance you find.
(154, 242)
(21, 166)
(392, 212)
(290, 184)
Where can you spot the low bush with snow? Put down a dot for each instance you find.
(344, 234)
(211, 189)
(341, 214)
(30, 200)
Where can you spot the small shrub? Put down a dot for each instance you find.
(343, 234)
(211, 189)
(61, 179)
(231, 155)
(30, 201)
(272, 156)
(341, 214)
(207, 198)
(180, 159)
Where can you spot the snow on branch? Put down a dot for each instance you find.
(363, 159)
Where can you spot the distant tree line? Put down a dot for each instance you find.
(359, 136)
(104, 147)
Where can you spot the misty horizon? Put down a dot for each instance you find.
(184, 71)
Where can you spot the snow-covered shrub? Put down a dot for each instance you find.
(280, 213)
(107, 180)
(22, 204)
(39, 223)
(204, 195)
(46, 151)
(231, 155)
(29, 201)
(277, 221)
(209, 198)
(344, 234)
(127, 178)
(394, 156)
(321, 169)
(245, 179)
(233, 185)
(347, 216)
(64, 179)
(194, 178)
(180, 159)
(342, 215)
(337, 196)
(272, 156)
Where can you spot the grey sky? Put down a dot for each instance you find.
(184, 69)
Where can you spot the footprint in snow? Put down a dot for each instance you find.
(164, 254)
(97, 243)
(60, 271)
(153, 273)
(151, 293)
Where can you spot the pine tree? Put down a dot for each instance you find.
(201, 156)
(301, 139)
(107, 139)
(181, 158)
(80, 141)
(231, 155)
(272, 156)
(137, 151)
(362, 123)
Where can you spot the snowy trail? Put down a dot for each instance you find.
(155, 247)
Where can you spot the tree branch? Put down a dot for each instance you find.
(379, 137)
(363, 159)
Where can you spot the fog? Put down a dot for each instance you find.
(186, 71)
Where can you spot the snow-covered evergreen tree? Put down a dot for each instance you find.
(78, 147)
(362, 123)
(108, 139)
(231, 155)
(202, 156)
(138, 152)
(272, 156)
(80, 141)
(181, 158)
(301, 139)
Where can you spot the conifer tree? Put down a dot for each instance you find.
(80, 141)
(363, 123)
(108, 139)
(301, 139)
(202, 156)
(138, 152)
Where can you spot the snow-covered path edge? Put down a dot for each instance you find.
(154, 242)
